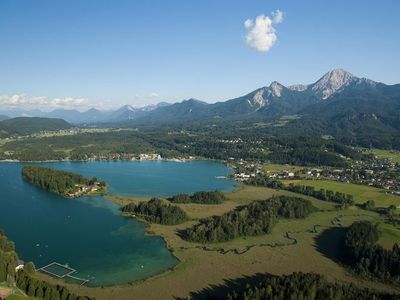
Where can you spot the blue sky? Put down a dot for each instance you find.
(79, 53)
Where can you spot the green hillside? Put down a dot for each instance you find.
(27, 125)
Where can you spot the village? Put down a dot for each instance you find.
(134, 157)
(374, 171)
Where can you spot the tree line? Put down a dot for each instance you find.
(157, 211)
(8, 259)
(43, 290)
(308, 286)
(256, 218)
(340, 198)
(56, 181)
(262, 180)
(368, 258)
(322, 194)
(214, 197)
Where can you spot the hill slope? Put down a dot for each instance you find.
(362, 114)
(27, 125)
(3, 117)
(276, 100)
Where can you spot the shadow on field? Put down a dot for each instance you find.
(181, 233)
(219, 292)
(330, 243)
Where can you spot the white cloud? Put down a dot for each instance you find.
(13, 99)
(20, 101)
(23, 101)
(38, 100)
(277, 16)
(261, 34)
(69, 102)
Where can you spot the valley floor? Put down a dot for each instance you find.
(306, 245)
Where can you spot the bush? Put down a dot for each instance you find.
(29, 267)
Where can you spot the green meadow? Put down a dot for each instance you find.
(361, 193)
(308, 245)
(389, 234)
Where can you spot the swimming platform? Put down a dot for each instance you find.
(58, 270)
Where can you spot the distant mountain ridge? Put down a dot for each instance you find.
(354, 110)
(91, 116)
(4, 117)
(268, 102)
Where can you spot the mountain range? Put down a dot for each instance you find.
(337, 94)
(354, 110)
(91, 116)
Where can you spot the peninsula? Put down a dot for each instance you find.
(64, 183)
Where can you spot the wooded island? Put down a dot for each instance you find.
(64, 183)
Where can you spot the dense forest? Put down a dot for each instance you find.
(29, 125)
(308, 286)
(57, 181)
(368, 258)
(215, 197)
(157, 211)
(311, 150)
(255, 218)
(43, 290)
(8, 259)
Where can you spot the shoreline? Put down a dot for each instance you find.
(190, 257)
(174, 159)
(120, 201)
(104, 160)
(147, 232)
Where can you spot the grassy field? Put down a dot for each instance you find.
(20, 297)
(361, 193)
(388, 235)
(390, 154)
(293, 245)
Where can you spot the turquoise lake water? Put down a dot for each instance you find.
(89, 234)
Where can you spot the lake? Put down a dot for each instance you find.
(89, 233)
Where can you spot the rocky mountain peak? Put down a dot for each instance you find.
(276, 88)
(258, 99)
(332, 81)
